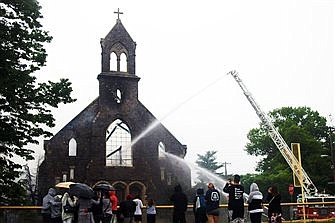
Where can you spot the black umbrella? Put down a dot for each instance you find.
(81, 190)
(103, 186)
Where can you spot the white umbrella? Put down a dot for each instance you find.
(64, 184)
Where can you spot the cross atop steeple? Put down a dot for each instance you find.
(118, 14)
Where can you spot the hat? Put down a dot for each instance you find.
(129, 197)
(200, 191)
(237, 178)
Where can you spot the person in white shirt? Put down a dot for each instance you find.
(138, 211)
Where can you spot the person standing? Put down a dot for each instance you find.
(46, 205)
(179, 200)
(151, 211)
(255, 204)
(274, 209)
(115, 201)
(85, 214)
(127, 209)
(68, 217)
(199, 207)
(212, 198)
(56, 209)
(106, 207)
(235, 200)
(138, 210)
(97, 207)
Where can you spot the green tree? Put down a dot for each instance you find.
(207, 162)
(296, 125)
(24, 104)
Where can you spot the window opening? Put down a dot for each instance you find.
(64, 177)
(123, 62)
(118, 96)
(161, 150)
(72, 147)
(169, 179)
(162, 173)
(71, 173)
(118, 145)
(113, 62)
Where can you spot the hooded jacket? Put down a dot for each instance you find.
(212, 198)
(255, 199)
(114, 200)
(47, 201)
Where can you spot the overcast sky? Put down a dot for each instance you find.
(283, 51)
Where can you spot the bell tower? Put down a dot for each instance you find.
(117, 80)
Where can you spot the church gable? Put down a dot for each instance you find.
(116, 138)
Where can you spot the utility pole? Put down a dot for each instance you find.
(225, 169)
(332, 152)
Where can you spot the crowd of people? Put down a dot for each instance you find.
(206, 206)
(105, 207)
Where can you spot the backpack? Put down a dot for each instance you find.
(200, 203)
(68, 208)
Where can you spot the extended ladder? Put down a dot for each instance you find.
(284, 149)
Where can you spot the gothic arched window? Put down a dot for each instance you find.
(161, 150)
(118, 96)
(123, 62)
(113, 62)
(72, 147)
(118, 145)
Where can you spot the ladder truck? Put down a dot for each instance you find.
(309, 188)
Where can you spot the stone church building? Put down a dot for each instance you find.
(116, 138)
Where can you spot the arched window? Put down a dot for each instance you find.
(123, 62)
(72, 147)
(118, 145)
(161, 150)
(118, 96)
(113, 62)
(121, 190)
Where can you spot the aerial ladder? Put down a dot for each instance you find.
(306, 183)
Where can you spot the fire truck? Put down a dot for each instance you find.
(312, 210)
(318, 207)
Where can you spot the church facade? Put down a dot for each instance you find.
(116, 138)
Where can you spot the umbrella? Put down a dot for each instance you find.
(64, 184)
(103, 186)
(81, 190)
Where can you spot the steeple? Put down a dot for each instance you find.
(117, 80)
(118, 45)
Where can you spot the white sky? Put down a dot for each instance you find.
(283, 51)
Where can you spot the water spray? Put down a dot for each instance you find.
(156, 122)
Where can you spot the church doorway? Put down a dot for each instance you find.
(121, 190)
(137, 189)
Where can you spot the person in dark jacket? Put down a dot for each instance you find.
(180, 201)
(235, 200)
(97, 207)
(199, 207)
(255, 204)
(212, 198)
(127, 209)
(274, 209)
